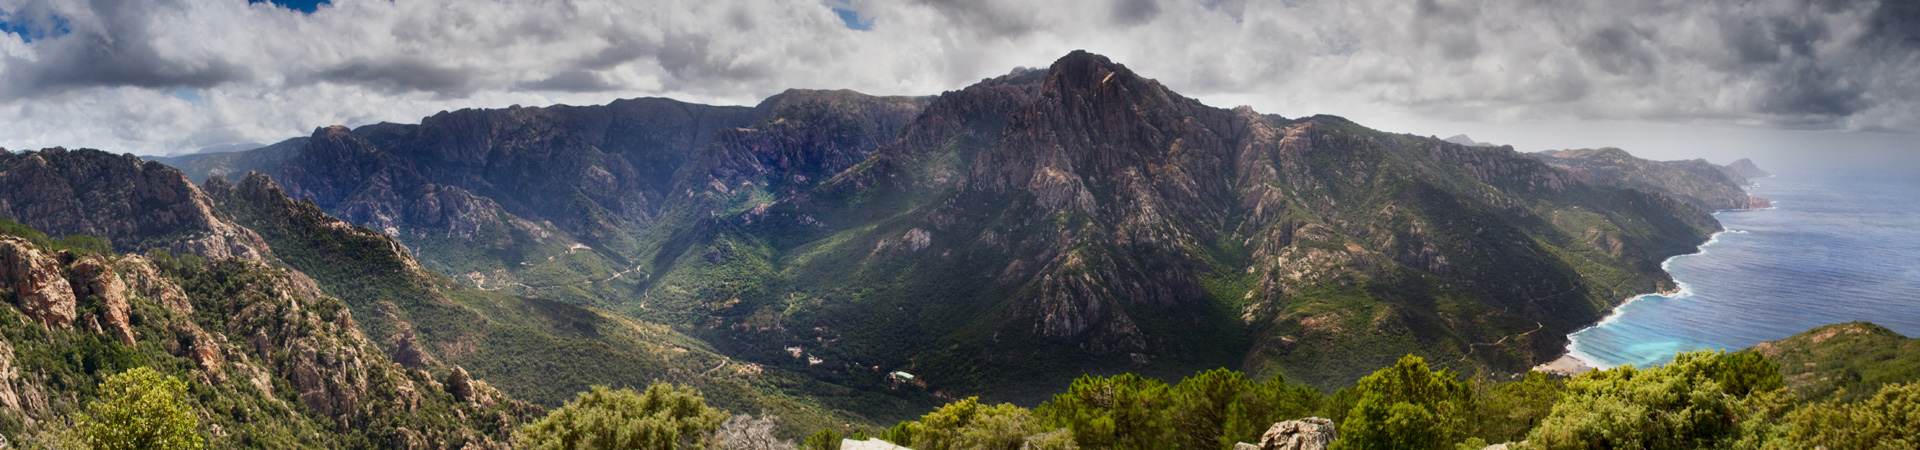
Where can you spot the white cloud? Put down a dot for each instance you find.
(265, 73)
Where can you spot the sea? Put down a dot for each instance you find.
(1836, 247)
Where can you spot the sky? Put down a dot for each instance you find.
(1779, 80)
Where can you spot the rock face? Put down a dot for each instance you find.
(34, 278)
(9, 377)
(1312, 433)
(93, 279)
(136, 205)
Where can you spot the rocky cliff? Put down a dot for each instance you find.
(135, 204)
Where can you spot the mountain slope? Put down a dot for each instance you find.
(1107, 222)
(1847, 361)
(1014, 233)
(138, 206)
(271, 361)
(1704, 184)
(535, 350)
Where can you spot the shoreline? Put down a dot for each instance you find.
(1571, 363)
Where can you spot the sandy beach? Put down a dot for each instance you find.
(1567, 365)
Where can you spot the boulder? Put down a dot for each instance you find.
(1312, 433)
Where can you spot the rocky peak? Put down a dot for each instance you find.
(1100, 139)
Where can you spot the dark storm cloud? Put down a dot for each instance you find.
(1749, 40)
(401, 76)
(1451, 28)
(1135, 12)
(985, 17)
(260, 73)
(1897, 23)
(1814, 93)
(1619, 50)
(572, 81)
(113, 49)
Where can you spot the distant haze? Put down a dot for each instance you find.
(1717, 79)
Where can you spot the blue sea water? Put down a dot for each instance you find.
(1834, 248)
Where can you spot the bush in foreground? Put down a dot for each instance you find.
(665, 417)
(140, 409)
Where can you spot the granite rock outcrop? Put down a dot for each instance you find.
(34, 279)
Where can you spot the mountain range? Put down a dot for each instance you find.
(801, 255)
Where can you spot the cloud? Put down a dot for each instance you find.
(108, 77)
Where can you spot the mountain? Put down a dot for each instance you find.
(235, 163)
(137, 206)
(1467, 141)
(1847, 361)
(1008, 236)
(1702, 183)
(537, 351)
(1743, 170)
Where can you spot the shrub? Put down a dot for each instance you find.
(140, 410)
(1406, 406)
(664, 417)
(1683, 405)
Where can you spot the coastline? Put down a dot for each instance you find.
(1571, 362)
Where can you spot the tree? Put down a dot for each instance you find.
(140, 410)
(1216, 408)
(1406, 406)
(1122, 412)
(1505, 412)
(967, 424)
(826, 439)
(665, 417)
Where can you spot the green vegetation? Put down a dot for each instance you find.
(539, 350)
(147, 396)
(1406, 406)
(79, 243)
(1889, 420)
(665, 417)
(1701, 400)
(1847, 361)
(826, 439)
(140, 409)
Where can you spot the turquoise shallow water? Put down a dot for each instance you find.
(1835, 248)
